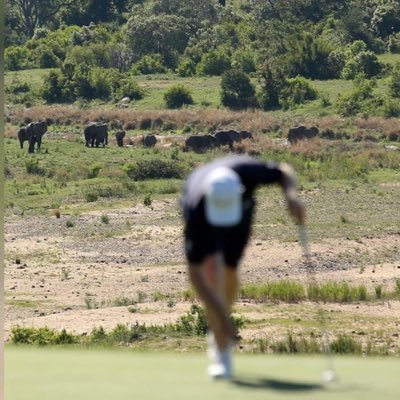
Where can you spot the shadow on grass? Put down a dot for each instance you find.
(265, 383)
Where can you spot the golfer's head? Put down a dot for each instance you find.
(223, 197)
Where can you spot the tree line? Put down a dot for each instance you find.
(97, 48)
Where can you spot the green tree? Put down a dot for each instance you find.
(394, 81)
(271, 80)
(237, 92)
(308, 56)
(36, 13)
(215, 62)
(17, 57)
(386, 18)
(157, 34)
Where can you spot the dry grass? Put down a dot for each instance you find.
(206, 120)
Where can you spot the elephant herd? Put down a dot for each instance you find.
(96, 134)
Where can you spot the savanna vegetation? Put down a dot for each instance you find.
(174, 68)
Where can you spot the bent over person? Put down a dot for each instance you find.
(218, 208)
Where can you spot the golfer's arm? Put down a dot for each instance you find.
(288, 183)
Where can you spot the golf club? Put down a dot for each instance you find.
(329, 375)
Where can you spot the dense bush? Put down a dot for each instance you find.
(296, 91)
(215, 62)
(271, 81)
(244, 60)
(155, 169)
(186, 67)
(16, 58)
(394, 43)
(177, 96)
(149, 64)
(94, 55)
(359, 60)
(309, 56)
(359, 100)
(41, 336)
(394, 81)
(128, 87)
(237, 92)
(46, 57)
(53, 87)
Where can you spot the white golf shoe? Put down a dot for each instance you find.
(221, 363)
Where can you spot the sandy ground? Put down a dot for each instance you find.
(54, 274)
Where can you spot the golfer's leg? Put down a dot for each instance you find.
(230, 284)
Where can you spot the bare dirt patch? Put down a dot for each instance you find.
(55, 274)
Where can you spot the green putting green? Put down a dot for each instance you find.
(61, 374)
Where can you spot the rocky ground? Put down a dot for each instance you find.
(56, 275)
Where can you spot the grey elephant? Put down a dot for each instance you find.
(119, 137)
(96, 133)
(200, 143)
(33, 133)
(231, 136)
(149, 140)
(301, 133)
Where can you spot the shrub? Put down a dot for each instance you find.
(16, 86)
(177, 96)
(149, 64)
(237, 92)
(32, 167)
(129, 88)
(91, 196)
(365, 62)
(357, 100)
(46, 57)
(394, 81)
(52, 89)
(391, 108)
(271, 81)
(105, 219)
(93, 55)
(186, 67)
(103, 81)
(308, 56)
(345, 344)
(16, 58)
(244, 61)
(213, 63)
(41, 336)
(155, 169)
(296, 91)
(147, 200)
(394, 43)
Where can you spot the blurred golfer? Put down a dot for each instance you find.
(218, 206)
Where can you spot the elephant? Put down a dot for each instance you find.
(96, 133)
(149, 140)
(119, 137)
(33, 133)
(231, 136)
(301, 133)
(200, 143)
